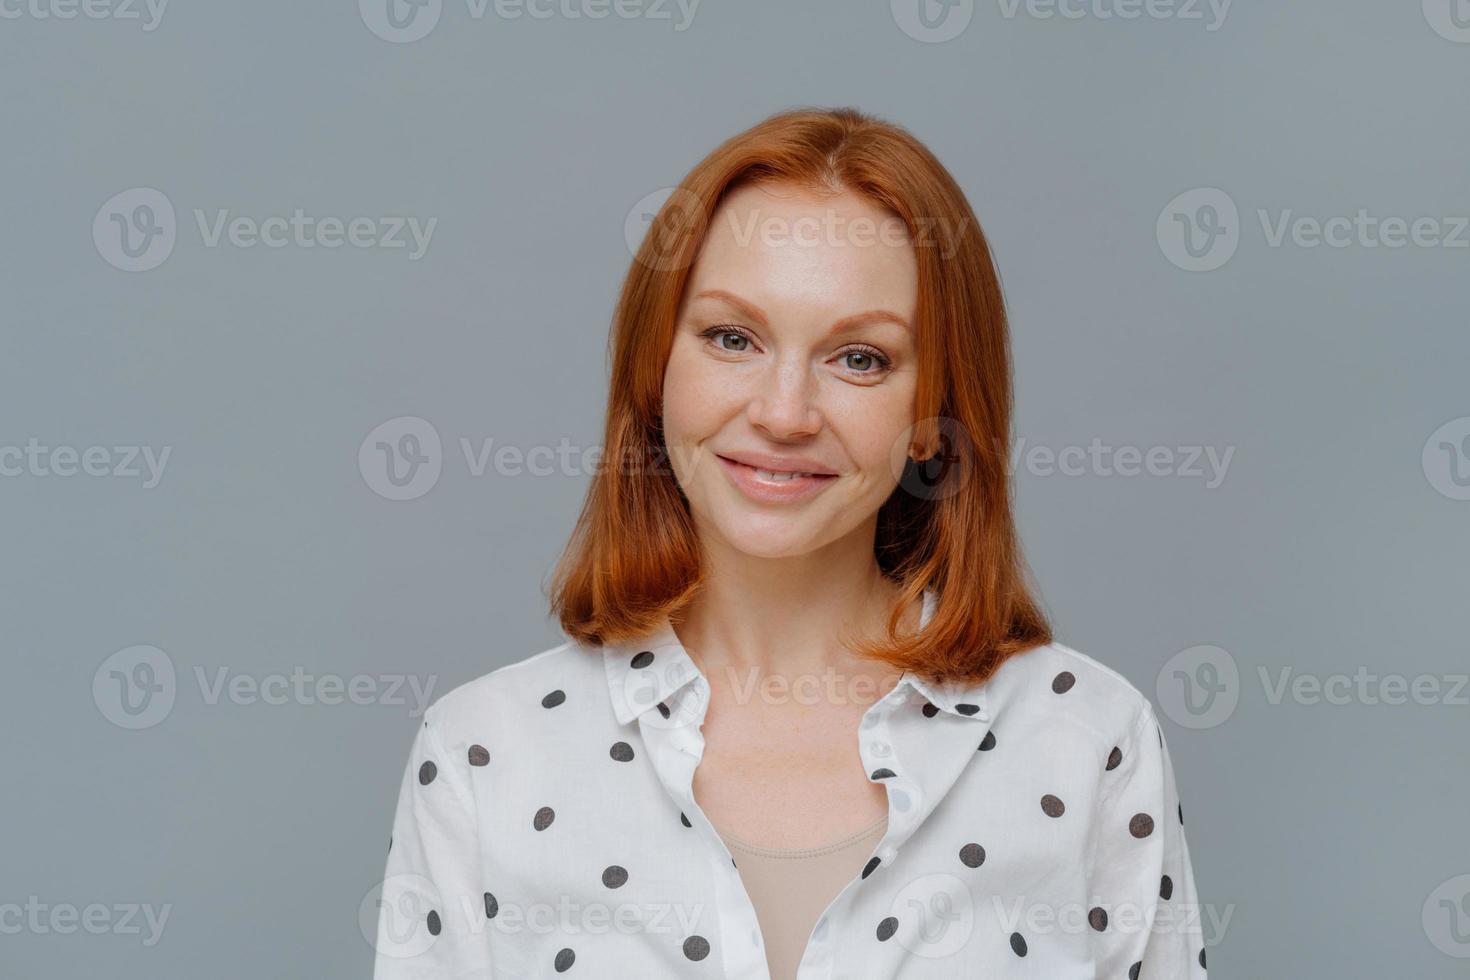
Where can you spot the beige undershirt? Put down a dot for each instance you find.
(791, 887)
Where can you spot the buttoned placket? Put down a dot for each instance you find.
(925, 756)
(675, 744)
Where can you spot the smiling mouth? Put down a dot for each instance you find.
(777, 475)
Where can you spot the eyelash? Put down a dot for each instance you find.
(720, 329)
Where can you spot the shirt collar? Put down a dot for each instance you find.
(643, 674)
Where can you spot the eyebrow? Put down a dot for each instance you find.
(846, 323)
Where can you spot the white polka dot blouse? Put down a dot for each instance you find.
(546, 825)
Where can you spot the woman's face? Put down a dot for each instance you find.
(793, 351)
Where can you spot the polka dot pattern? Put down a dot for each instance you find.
(997, 805)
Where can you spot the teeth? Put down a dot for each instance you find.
(773, 475)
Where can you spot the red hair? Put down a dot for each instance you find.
(633, 557)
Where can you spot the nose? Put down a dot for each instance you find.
(784, 404)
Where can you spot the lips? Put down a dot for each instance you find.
(774, 486)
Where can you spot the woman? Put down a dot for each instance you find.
(810, 722)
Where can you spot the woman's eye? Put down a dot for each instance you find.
(717, 335)
(865, 361)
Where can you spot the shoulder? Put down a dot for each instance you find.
(1057, 686)
(569, 678)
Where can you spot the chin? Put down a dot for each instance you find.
(783, 536)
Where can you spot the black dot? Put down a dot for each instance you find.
(479, 755)
(434, 924)
(1201, 957)
(427, 772)
(1018, 944)
(491, 906)
(684, 820)
(1166, 887)
(1114, 757)
(871, 866)
(930, 710)
(696, 948)
(887, 928)
(543, 818)
(552, 700)
(621, 751)
(1181, 813)
(663, 709)
(967, 709)
(988, 742)
(390, 843)
(884, 773)
(1133, 970)
(1141, 825)
(1062, 683)
(972, 855)
(564, 960)
(1051, 806)
(615, 876)
(1098, 918)
(643, 659)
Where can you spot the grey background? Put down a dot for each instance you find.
(1321, 829)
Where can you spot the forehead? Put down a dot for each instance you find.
(783, 246)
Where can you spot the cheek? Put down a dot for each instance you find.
(694, 409)
(875, 429)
